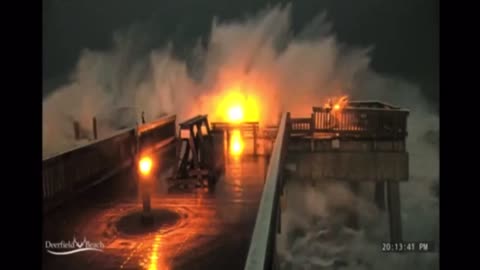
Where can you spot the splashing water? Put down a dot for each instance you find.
(281, 71)
(257, 57)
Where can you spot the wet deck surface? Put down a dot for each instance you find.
(211, 230)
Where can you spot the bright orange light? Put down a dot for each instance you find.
(236, 143)
(341, 103)
(235, 114)
(145, 165)
(235, 105)
(236, 147)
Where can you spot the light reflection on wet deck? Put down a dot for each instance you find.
(213, 232)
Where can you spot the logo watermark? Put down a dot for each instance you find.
(74, 246)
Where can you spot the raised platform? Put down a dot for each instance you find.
(350, 166)
(333, 158)
(325, 142)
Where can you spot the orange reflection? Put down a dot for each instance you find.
(236, 143)
(157, 263)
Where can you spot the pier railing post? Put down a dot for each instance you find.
(94, 123)
(76, 130)
(255, 140)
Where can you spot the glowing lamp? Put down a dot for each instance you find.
(235, 114)
(145, 165)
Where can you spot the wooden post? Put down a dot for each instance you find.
(146, 202)
(353, 220)
(279, 217)
(380, 195)
(94, 122)
(312, 124)
(146, 217)
(228, 141)
(254, 140)
(312, 132)
(76, 130)
(393, 196)
(207, 126)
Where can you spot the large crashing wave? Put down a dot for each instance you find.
(292, 72)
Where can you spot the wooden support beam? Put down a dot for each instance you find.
(207, 125)
(255, 140)
(228, 141)
(76, 130)
(94, 123)
(380, 195)
(352, 220)
(395, 218)
(197, 161)
(279, 220)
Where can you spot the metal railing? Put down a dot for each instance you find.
(82, 167)
(261, 252)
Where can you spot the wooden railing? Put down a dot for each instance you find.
(354, 122)
(250, 130)
(74, 169)
(156, 134)
(261, 253)
(302, 126)
(364, 122)
(252, 127)
(82, 167)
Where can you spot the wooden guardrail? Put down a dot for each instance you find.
(262, 244)
(361, 122)
(302, 126)
(82, 167)
(365, 122)
(249, 130)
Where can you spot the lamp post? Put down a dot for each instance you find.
(145, 169)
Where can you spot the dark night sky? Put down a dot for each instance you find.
(405, 33)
